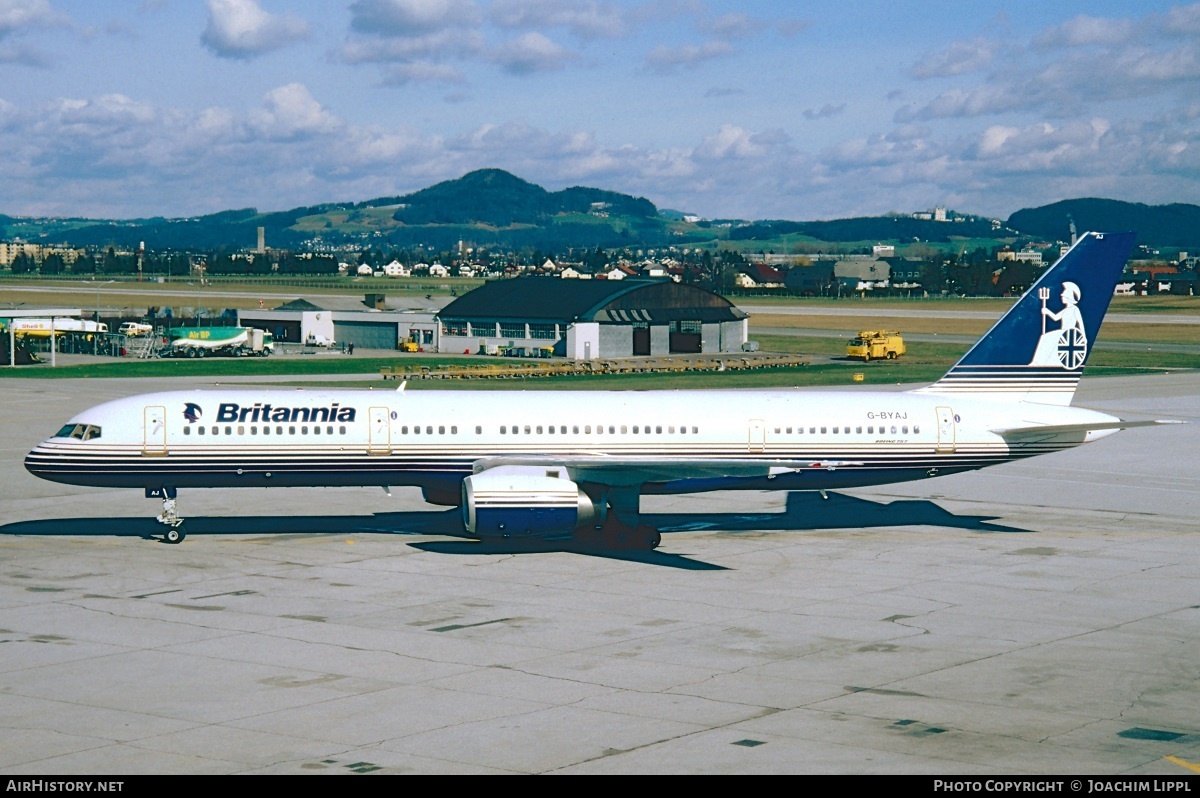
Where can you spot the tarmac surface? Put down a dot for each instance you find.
(1040, 617)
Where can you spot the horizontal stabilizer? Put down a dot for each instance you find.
(1057, 429)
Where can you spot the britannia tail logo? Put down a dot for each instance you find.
(192, 412)
(1067, 345)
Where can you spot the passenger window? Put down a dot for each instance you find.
(624, 429)
(478, 430)
(526, 429)
(342, 429)
(229, 430)
(291, 430)
(441, 430)
(916, 430)
(502, 429)
(329, 430)
(846, 430)
(304, 430)
(199, 430)
(695, 430)
(416, 430)
(539, 429)
(871, 430)
(550, 429)
(453, 430)
(789, 430)
(835, 430)
(266, 430)
(253, 430)
(905, 429)
(587, 430)
(858, 430)
(612, 430)
(893, 430)
(404, 430)
(658, 430)
(429, 429)
(187, 430)
(279, 430)
(574, 430)
(823, 430)
(562, 430)
(316, 430)
(635, 429)
(241, 430)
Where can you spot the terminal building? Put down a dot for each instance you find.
(589, 319)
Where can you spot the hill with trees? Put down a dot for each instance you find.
(1175, 225)
(493, 208)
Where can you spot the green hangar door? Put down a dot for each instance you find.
(366, 334)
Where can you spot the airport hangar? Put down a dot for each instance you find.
(370, 324)
(589, 319)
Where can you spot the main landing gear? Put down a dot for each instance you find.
(620, 524)
(176, 531)
(614, 534)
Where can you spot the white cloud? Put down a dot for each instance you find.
(20, 14)
(290, 111)
(422, 72)
(433, 46)
(584, 18)
(824, 112)
(667, 59)
(957, 59)
(411, 17)
(1085, 30)
(733, 25)
(531, 52)
(242, 29)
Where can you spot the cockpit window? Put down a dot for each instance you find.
(80, 432)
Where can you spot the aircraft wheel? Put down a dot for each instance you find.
(175, 534)
(649, 536)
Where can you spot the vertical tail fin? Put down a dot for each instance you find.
(1038, 349)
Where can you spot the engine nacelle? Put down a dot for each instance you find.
(524, 501)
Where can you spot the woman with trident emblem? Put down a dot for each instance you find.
(1065, 347)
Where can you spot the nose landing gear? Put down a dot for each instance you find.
(176, 531)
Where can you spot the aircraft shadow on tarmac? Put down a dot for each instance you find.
(804, 512)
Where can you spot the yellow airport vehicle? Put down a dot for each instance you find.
(876, 344)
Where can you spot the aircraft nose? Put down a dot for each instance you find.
(34, 462)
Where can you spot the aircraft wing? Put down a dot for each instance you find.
(619, 471)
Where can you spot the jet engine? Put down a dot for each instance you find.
(524, 502)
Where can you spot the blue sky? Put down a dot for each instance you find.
(794, 110)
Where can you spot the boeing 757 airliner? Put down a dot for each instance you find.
(557, 464)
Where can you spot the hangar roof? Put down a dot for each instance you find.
(617, 301)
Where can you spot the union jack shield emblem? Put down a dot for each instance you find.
(1072, 348)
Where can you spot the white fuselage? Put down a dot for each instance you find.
(233, 438)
